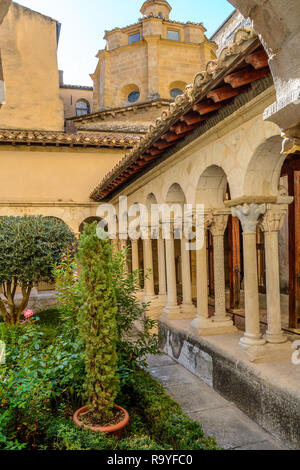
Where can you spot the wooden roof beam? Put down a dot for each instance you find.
(244, 77)
(258, 59)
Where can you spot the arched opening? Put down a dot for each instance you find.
(176, 199)
(212, 190)
(130, 94)
(82, 107)
(289, 244)
(270, 173)
(176, 88)
(152, 201)
(88, 221)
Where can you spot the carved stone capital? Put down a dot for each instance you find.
(248, 215)
(273, 219)
(218, 225)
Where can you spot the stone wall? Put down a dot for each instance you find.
(28, 43)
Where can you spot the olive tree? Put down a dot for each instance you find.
(29, 247)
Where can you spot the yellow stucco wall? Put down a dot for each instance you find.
(28, 43)
(70, 96)
(33, 175)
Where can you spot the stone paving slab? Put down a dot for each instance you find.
(219, 418)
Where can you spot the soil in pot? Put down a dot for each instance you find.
(89, 419)
(84, 417)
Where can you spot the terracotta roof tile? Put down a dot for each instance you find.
(61, 139)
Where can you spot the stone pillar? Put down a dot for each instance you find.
(115, 245)
(202, 319)
(248, 215)
(217, 228)
(172, 310)
(135, 255)
(202, 324)
(162, 270)
(271, 224)
(148, 269)
(123, 247)
(187, 308)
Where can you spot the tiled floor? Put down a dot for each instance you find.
(232, 429)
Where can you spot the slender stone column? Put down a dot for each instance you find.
(172, 310)
(115, 245)
(248, 215)
(162, 270)
(271, 224)
(187, 308)
(135, 255)
(217, 229)
(148, 269)
(202, 324)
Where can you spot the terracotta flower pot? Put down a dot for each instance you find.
(115, 429)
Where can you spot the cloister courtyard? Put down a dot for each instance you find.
(150, 235)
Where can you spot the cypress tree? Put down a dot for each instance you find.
(97, 321)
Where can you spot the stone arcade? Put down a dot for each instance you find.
(231, 141)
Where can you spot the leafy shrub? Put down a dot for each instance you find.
(97, 322)
(63, 434)
(29, 246)
(132, 350)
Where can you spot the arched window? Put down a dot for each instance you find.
(176, 92)
(82, 108)
(160, 15)
(133, 96)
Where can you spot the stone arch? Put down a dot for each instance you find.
(177, 85)
(263, 171)
(88, 220)
(175, 195)
(211, 187)
(127, 90)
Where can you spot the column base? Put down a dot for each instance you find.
(172, 312)
(267, 352)
(140, 295)
(162, 299)
(188, 311)
(206, 327)
(155, 308)
(275, 338)
(247, 342)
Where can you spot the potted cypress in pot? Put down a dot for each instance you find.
(98, 327)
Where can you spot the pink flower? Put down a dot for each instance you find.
(28, 314)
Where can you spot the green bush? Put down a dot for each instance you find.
(97, 323)
(29, 246)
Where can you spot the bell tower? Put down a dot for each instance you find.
(159, 8)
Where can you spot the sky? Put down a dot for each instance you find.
(84, 22)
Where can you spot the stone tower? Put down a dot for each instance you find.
(144, 66)
(159, 8)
